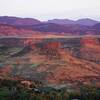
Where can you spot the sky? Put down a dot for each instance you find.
(51, 9)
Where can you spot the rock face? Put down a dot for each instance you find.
(9, 30)
(73, 70)
(90, 49)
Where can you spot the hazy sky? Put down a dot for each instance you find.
(49, 9)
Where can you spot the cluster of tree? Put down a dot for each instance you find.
(15, 90)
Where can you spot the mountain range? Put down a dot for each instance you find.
(27, 26)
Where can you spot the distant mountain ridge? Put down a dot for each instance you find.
(61, 21)
(18, 21)
(85, 21)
